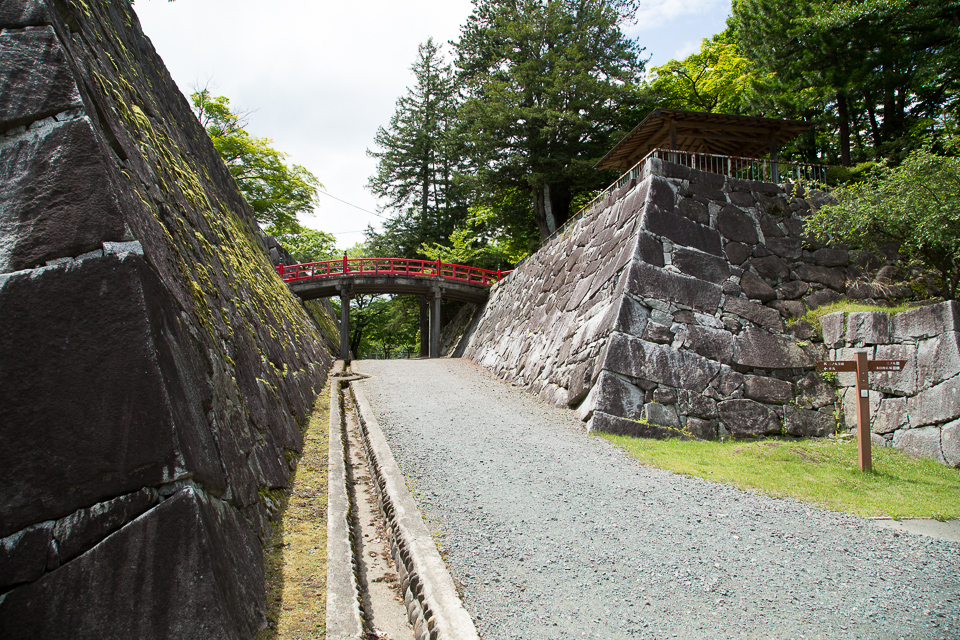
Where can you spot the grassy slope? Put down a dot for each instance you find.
(296, 557)
(823, 472)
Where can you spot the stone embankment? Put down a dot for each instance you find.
(671, 309)
(154, 370)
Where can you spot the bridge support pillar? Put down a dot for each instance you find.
(435, 325)
(344, 325)
(424, 327)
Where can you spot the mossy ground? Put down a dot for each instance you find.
(824, 472)
(296, 556)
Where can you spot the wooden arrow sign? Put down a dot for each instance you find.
(837, 365)
(886, 365)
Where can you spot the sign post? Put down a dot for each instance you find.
(862, 367)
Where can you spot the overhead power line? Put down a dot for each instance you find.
(373, 213)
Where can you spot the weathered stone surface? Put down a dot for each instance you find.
(814, 392)
(763, 316)
(789, 308)
(649, 249)
(935, 405)
(736, 252)
(614, 395)
(651, 282)
(863, 291)
(926, 322)
(788, 248)
(714, 344)
(756, 289)
(41, 84)
(833, 328)
(767, 390)
(950, 443)
(661, 415)
(696, 211)
(898, 382)
(658, 333)
(792, 290)
(692, 403)
(23, 13)
(764, 350)
(770, 268)
(745, 418)
(682, 231)
(701, 265)
(938, 359)
(665, 395)
(821, 298)
(189, 568)
(637, 358)
(920, 443)
(23, 555)
(81, 530)
(605, 423)
(51, 181)
(805, 423)
(890, 415)
(867, 328)
(833, 278)
(828, 257)
(736, 225)
(702, 429)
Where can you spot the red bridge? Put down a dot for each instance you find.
(435, 280)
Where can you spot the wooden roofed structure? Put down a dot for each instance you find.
(699, 132)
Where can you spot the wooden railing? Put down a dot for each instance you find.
(388, 267)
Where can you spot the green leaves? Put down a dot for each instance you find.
(916, 205)
(715, 79)
(304, 244)
(276, 192)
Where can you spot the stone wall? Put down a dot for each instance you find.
(917, 409)
(154, 370)
(662, 311)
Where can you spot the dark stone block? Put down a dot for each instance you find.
(821, 298)
(864, 291)
(813, 392)
(639, 359)
(701, 265)
(696, 211)
(763, 316)
(770, 268)
(869, 328)
(736, 225)
(756, 289)
(771, 227)
(55, 196)
(702, 429)
(95, 373)
(662, 195)
(714, 344)
(651, 282)
(81, 530)
(605, 423)
(833, 278)
(745, 418)
(736, 252)
(23, 556)
(743, 199)
(768, 390)
(804, 423)
(665, 396)
(649, 249)
(709, 187)
(16, 14)
(696, 404)
(658, 333)
(789, 308)
(792, 290)
(788, 248)
(41, 83)
(756, 348)
(831, 257)
(680, 230)
(189, 568)
(761, 251)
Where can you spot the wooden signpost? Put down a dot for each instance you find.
(862, 367)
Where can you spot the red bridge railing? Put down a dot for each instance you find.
(387, 267)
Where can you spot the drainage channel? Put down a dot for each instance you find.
(382, 607)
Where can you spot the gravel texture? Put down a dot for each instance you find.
(556, 534)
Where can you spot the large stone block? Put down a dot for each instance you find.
(614, 395)
(701, 265)
(189, 568)
(822, 298)
(937, 359)
(23, 555)
(736, 225)
(763, 316)
(761, 349)
(902, 382)
(756, 289)
(936, 405)
(56, 199)
(833, 325)
(745, 418)
(950, 443)
(926, 322)
(605, 423)
(650, 282)
(37, 82)
(99, 382)
(864, 328)
(649, 249)
(658, 363)
(767, 390)
(16, 14)
(889, 416)
(788, 248)
(713, 344)
(806, 423)
(770, 268)
(814, 392)
(920, 443)
(81, 530)
(833, 278)
(792, 290)
(696, 404)
(681, 231)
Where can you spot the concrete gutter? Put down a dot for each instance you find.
(344, 621)
(942, 530)
(433, 606)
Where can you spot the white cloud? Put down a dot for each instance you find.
(655, 14)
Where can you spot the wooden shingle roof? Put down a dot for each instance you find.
(699, 132)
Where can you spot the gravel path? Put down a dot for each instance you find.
(556, 534)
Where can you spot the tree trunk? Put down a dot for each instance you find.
(844, 116)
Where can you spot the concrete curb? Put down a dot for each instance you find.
(344, 621)
(433, 606)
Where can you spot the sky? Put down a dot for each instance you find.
(319, 78)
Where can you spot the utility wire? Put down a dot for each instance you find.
(379, 215)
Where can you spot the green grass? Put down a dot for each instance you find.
(823, 472)
(813, 315)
